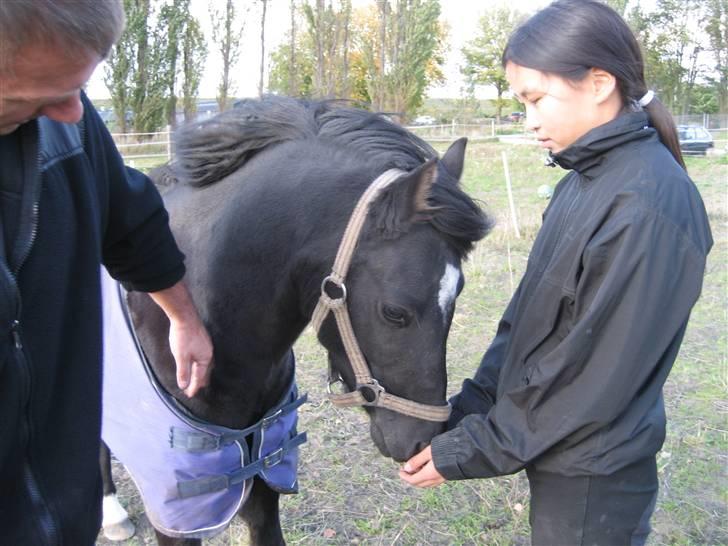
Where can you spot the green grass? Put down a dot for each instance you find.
(352, 495)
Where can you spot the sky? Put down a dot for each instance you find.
(461, 15)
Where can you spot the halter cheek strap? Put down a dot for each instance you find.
(368, 391)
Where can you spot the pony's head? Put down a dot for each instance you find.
(401, 288)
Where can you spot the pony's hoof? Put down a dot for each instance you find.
(120, 531)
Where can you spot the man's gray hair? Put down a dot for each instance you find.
(79, 26)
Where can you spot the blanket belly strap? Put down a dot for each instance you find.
(210, 484)
(197, 441)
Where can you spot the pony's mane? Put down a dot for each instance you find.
(209, 150)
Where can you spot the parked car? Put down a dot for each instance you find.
(424, 120)
(694, 139)
(516, 117)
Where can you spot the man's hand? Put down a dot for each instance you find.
(192, 351)
(188, 339)
(420, 471)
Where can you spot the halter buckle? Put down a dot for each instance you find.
(371, 392)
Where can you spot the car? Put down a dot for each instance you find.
(516, 117)
(424, 120)
(694, 139)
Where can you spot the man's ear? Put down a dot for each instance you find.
(603, 84)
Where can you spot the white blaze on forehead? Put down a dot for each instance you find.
(448, 289)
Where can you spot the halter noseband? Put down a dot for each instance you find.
(368, 391)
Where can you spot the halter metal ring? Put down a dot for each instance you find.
(340, 285)
(370, 392)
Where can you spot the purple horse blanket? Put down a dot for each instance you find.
(193, 476)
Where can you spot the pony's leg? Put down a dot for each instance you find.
(260, 513)
(116, 522)
(164, 540)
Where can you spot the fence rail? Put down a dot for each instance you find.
(135, 146)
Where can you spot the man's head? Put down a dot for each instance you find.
(48, 50)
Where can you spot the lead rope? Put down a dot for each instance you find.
(365, 383)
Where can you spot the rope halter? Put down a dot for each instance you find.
(368, 391)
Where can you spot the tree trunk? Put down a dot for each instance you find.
(262, 48)
(378, 102)
(319, 83)
(345, 52)
(292, 58)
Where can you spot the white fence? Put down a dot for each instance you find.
(135, 146)
(140, 146)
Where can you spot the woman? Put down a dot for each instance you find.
(571, 387)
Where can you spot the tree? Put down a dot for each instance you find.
(194, 53)
(328, 32)
(136, 63)
(227, 30)
(315, 62)
(669, 38)
(262, 48)
(292, 72)
(183, 43)
(620, 6)
(383, 56)
(405, 54)
(172, 18)
(483, 54)
(716, 27)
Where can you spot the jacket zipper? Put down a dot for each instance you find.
(48, 527)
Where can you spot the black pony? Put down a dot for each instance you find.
(259, 198)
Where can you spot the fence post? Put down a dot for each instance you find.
(510, 194)
(492, 127)
(452, 129)
(169, 143)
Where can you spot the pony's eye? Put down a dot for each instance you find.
(395, 315)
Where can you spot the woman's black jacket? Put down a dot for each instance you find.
(572, 382)
(80, 207)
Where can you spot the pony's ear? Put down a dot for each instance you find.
(415, 188)
(405, 201)
(455, 157)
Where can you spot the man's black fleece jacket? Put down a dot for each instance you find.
(78, 208)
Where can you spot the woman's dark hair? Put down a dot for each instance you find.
(569, 37)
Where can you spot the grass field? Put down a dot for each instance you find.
(352, 495)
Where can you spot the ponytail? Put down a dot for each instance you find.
(661, 120)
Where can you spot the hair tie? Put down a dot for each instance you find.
(647, 98)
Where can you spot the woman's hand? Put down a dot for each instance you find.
(420, 471)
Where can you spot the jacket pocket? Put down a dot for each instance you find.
(552, 331)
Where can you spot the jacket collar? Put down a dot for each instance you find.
(586, 155)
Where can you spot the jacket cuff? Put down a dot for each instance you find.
(160, 282)
(445, 456)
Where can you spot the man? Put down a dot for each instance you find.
(67, 205)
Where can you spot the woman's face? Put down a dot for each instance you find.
(560, 111)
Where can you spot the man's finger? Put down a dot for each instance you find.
(199, 378)
(183, 373)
